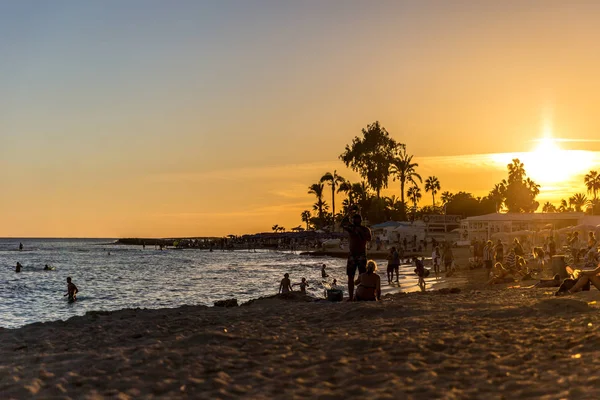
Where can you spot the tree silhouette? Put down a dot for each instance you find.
(592, 183)
(334, 181)
(371, 156)
(578, 201)
(548, 207)
(432, 184)
(403, 169)
(414, 195)
(305, 215)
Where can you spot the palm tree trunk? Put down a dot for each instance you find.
(433, 196)
(402, 189)
(333, 204)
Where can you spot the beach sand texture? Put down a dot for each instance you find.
(505, 343)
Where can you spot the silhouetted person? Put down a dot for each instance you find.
(323, 273)
(46, 268)
(71, 290)
(20, 246)
(358, 238)
(18, 267)
(286, 285)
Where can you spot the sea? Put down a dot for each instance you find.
(112, 277)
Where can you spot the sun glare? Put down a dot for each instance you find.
(548, 163)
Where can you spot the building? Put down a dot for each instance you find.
(485, 227)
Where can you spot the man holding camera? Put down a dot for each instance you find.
(358, 238)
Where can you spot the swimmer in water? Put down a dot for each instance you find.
(18, 267)
(286, 285)
(71, 290)
(47, 268)
(302, 285)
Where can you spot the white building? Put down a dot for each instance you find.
(485, 227)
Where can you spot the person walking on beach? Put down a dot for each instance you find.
(393, 265)
(358, 238)
(286, 285)
(71, 290)
(302, 285)
(323, 273)
(420, 271)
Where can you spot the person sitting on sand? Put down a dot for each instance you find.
(71, 290)
(544, 283)
(323, 273)
(368, 284)
(518, 248)
(500, 274)
(286, 285)
(302, 285)
(592, 241)
(18, 267)
(585, 276)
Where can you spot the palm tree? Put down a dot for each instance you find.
(334, 180)
(275, 228)
(548, 207)
(578, 200)
(414, 195)
(533, 187)
(516, 171)
(446, 197)
(564, 206)
(403, 169)
(432, 184)
(281, 229)
(592, 182)
(305, 215)
(317, 190)
(498, 194)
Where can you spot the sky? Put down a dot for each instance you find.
(207, 118)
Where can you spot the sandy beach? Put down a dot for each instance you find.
(494, 343)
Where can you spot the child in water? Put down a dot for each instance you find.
(286, 285)
(71, 290)
(302, 285)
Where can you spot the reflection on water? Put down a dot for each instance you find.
(131, 277)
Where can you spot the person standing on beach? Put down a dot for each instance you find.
(436, 259)
(286, 285)
(393, 264)
(488, 255)
(499, 252)
(358, 238)
(448, 258)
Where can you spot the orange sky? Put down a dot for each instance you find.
(210, 119)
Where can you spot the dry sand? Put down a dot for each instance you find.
(497, 343)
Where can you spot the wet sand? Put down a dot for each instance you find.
(496, 343)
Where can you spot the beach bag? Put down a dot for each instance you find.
(335, 295)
